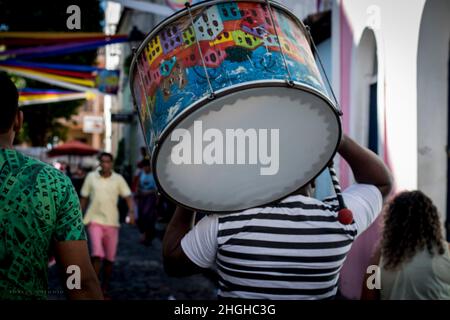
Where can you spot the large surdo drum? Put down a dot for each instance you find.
(234, 110)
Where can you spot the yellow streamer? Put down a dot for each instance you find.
(83, 82)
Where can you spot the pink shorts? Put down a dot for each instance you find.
(104, 240)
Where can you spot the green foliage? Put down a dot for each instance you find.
(50, 15)
(41, 123)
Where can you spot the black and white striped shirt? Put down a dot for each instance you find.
(290, 250)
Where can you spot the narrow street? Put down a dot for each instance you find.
(139, 274)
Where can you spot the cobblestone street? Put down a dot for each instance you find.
(139, 274)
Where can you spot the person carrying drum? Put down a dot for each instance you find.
(290, 249)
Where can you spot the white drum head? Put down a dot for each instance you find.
(207, 177)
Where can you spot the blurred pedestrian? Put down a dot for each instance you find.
(78, 179)
(102, 189)
(39, 213)
(413, 255)
(68, 171)
(135, 181)
(146, 197)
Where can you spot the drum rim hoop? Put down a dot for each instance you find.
(184, 12)
(221, 93)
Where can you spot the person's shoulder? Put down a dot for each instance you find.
(117, 176)
(366, 198)
(44, 168)
(331, 201)
(22, 160)
(91, 174)
(207, 220)
(304, 201)
(362, 189)
(52, 173)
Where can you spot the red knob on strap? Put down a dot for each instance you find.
(345, 216)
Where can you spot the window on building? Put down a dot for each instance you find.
(373, 142)
(373, 118)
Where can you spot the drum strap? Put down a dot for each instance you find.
(345, 216)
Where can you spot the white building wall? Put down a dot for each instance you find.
(412, 41)
(395, 25)
(364, 58)
(432, 101)
(112, 15)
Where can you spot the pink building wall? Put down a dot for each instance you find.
(358, 259)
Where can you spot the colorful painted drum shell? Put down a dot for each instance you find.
(239, 44)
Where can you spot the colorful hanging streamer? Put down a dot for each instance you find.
(44, 38)
(69, 76)
(59, 66)
(56, 71)
(54, 50)
(29, 96)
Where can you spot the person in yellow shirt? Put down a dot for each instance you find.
(101, 190)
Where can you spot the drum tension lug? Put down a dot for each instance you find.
(211, 96)
(187, 4)
(308, 28)
(291, 83)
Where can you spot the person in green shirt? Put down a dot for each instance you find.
(39, 212)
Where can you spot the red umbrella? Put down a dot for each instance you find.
(72, 148)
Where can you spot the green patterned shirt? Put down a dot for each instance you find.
(38, 205)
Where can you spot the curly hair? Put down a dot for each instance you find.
(411, 224)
